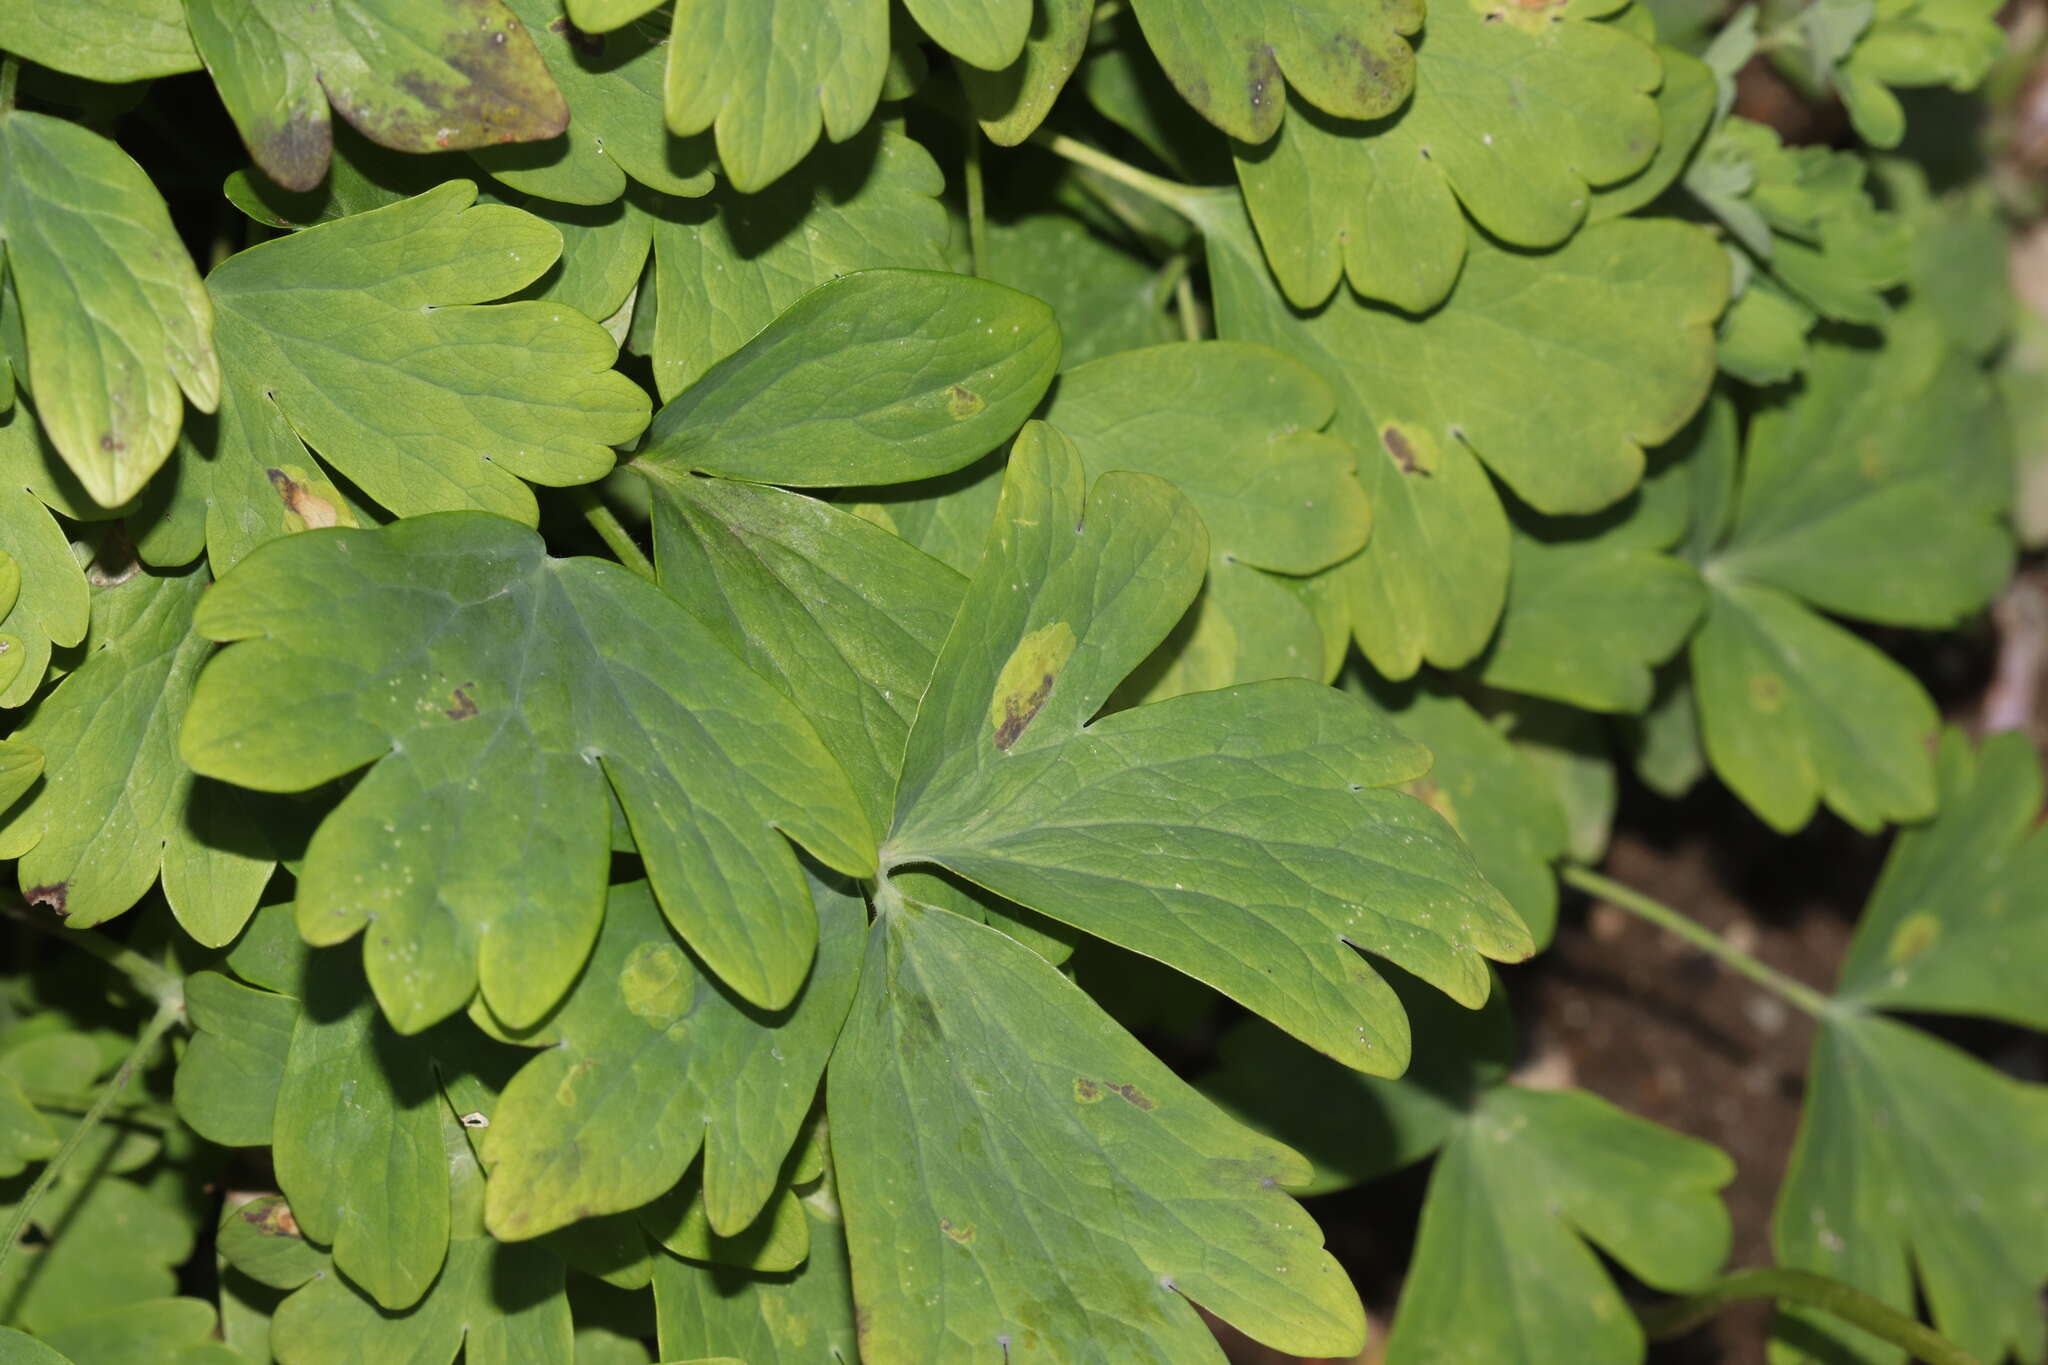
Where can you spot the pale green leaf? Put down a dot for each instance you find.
(1517, 112)
(101, 40)
(647, 1061)
(1685, 108)
(767, 75)
(1123, 1189)
(94, 835)
(613, 85)
(989, 34)
(356, 338)
(413, 75)
(726, 265)
(1260, 811)
(884, 376)
(1235, 60)
(115, 320)
(1011, 102)
(479, 845)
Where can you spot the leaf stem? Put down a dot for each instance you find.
(167, 1014)
(611, 531)
(1192, 324)
(1706, 940)
(977, 204)
(10, 76)
(141, 1113)
(154, 982)
(1178, 197)
(1802, 1287)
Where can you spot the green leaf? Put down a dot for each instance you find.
(989, 34)
(884, 376)
(101, 40)
(115, 320)
(412, 75)
(117, 806)
(262, 1240)
(1011, 102)
(1500, 1270)
(360, 176)
(948, 1262)
(1107, 299)
(710, 1313)
(844, 618)
(53, 606)
(1555, 370)
(1915, 43)
(1686, 106)
(109, 1243)
(1488, 792)
(613, 85)
(1235, 60)
(1237, 428)
(766, 77)
(162, 1331)
(648, 1060)
(726, 265)
(229, 1075)
(25, 1135)
(440, 624)
(1763, 334)
(492, 1301)
(353, 338)
(1006, 782)
(1516, 113)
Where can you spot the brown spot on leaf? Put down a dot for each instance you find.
(110, 445)
(302, 502)
(1027, 680)
(51, 894)
(1131, 1094)
(1086, 1091)
(963, 1233)
(465, 705)
(295, 151)
(271, 1217)
(1018, 712)
(963, 402)
(1398, 446)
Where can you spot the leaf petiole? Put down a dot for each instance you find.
(155, 982)
(1664, 917)
(977, 203)
(168, 1012)
(1808, 1290)
(1180, 198)
(612, 531)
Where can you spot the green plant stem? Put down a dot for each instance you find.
(1192, 324)
(10, 76)
(977, 205)
(155, 982)
(167, 1014)
(1664, 917)
(1808, 1290)
(611, 531)
(1180, 198)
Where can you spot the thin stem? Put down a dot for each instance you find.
(611, 530)
(977, 206)
(167, 1014)
(1192, 324)
(1664, 917)
(154, 982)
(10, 76)
(1180, 198)
(1852, 1306)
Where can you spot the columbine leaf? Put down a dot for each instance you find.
(765, 77)
(114, 317)
(884, 376)
(1500, 1268)
(229, 1075)
(727, 264)
(1489, 792)
(171, 1331)
(1915, 43)
(1011, 102)
(52, 605)
(353, 338)
(613, 84)
(1686, 106)
(1854, 499)
(101, 40)
(107, 1242)
(648, 1060)
(1229, 57)
(1008, 784)
(413, 75)
(949, 1263)
(846, 619)
(1524, 378)
(503, 690)
(493, 1301)
(117, 806)
(806, 1315)
(25, 1135)
(1517, 112)
(1107, 299)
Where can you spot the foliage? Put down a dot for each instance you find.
(653, 679)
